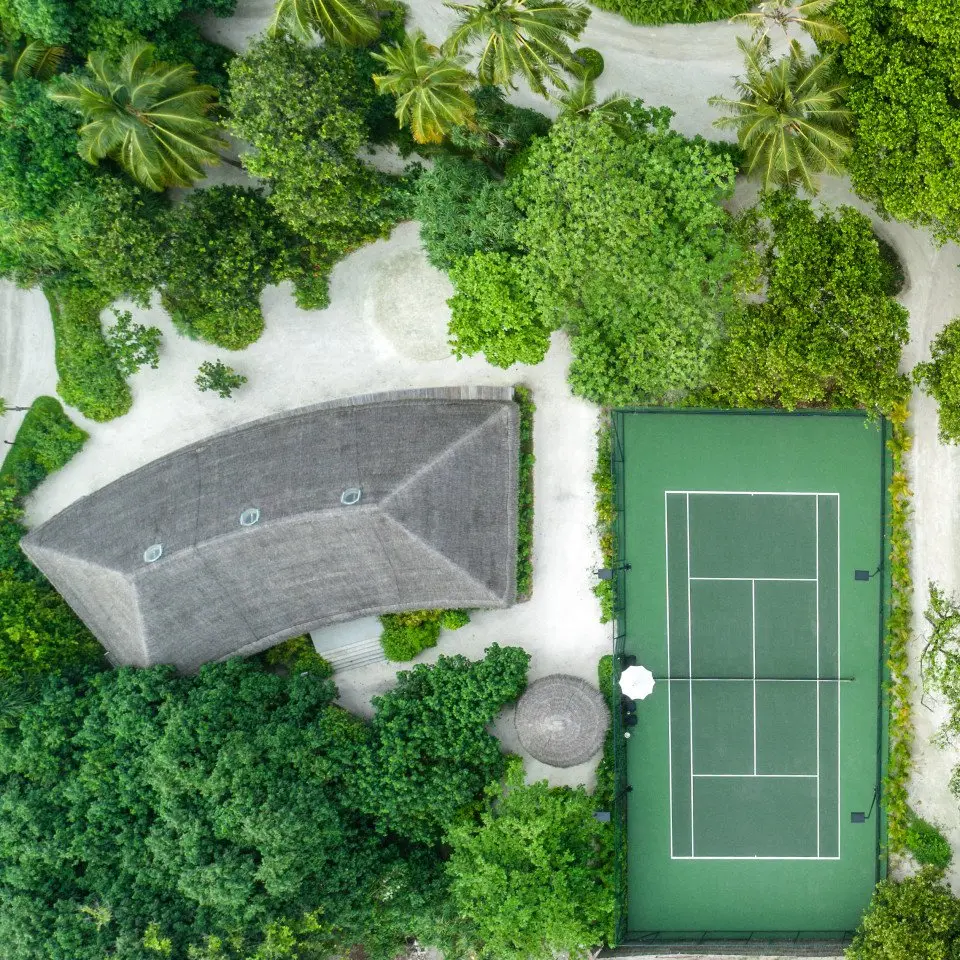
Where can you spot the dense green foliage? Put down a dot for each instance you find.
(674, 11)
(302, 110)
(39, 633)
(916, 919)
(640, 270)
(405, 635)
(133, 345)
(216, 376)
(604, 791)
(298, 655)
(90, 379)
(225, 245)
(147, 810)
(431, 761)
(903, 61)
(341, 23)
(927, 845)
(493, 313)
(463, 209)
(605, 510)
(940, 377)
(46, 440)
(534, 871)
(525, 493)
(826, 333)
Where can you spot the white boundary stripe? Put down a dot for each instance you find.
(753, 638)
(690, 679)
(758, 680)
(817, 671)
(666, 546)
(758, 493)
(758, 776)
(690, 673)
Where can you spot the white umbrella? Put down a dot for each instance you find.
(636, 682)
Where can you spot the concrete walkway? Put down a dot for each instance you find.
(385, 330)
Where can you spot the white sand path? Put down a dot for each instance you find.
(386, 296)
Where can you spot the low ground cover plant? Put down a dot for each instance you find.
(90, 378)
(927, 844)
(406, 635)
(46, 440)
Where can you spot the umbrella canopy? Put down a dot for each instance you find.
(636, 682)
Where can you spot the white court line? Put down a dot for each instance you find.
(758, 493)
(690, 673)
(763, 579)
(753, 636)
(758, 776)
(818, 672)
(754, 858)
(666, 547)
(758, 680)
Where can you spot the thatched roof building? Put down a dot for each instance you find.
(374, 504)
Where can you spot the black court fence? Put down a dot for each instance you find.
(620, 785)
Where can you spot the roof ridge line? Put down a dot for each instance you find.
(442, 455)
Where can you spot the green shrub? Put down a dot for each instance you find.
(462, 209)
(928, 846)
(46, 440)
(603, 792)
(589, 62)
(525, 494)
(605, 512)
(405, 635)
(88, 375)
(674, 11)
(492, 312)
(917, 919)
(894, 276)
(299, 656)
(940, 377)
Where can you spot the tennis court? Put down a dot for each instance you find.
(753, 765)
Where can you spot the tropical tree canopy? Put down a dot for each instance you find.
(808, 15)
(790, 116)
(150, 117)
(342, 23)
(430, 88)
(526, 37)
(29, 59)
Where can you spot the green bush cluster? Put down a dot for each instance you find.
(940, 377)
(525, 514)
(298, 656)
(657, 12)
(89, 377)
(39, 633)
(604, 790)
(46, 440)
(233, 807)
(605, 512)
(406, 635)
(926, 844)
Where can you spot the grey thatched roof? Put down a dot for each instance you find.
(562, 720)
(435, 527)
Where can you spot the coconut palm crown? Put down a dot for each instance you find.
(790, 116)
(430, 87)
(581, 102)
(808, 15)
(29, 59)
(526, 37)
(150, 117)
(341, 23)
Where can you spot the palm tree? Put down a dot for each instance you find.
(790, 118)
(581, 101)
(31, 59)
(527, 37)
(805, 14)
(430, 88)
(342, 23)
(151, 117)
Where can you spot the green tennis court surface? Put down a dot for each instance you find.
(761, 738)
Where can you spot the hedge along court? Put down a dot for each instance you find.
(754, 595)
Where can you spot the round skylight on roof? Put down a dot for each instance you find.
(153, 553)
(350, 496)
(249, 517)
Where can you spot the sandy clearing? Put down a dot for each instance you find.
(350, 348)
